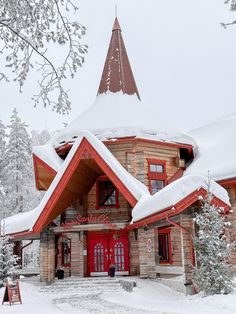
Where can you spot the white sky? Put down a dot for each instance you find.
(183, 61)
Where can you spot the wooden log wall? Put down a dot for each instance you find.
(231, 231)
(133, 157)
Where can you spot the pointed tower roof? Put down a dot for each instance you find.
(117, 73)
(118, 111)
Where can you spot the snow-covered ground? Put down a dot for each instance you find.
(86, 296)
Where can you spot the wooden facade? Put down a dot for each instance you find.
(84, 226)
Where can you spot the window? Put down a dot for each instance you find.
(164, 246)
(98, 255)
(156, 175)
(66, 249)
(107, 194)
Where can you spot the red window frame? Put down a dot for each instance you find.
(98, 206)
(62, 252)
(166, 233)
(152, 175)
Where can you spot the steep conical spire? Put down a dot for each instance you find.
(117, 73)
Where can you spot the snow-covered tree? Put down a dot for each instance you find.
(29, 29)
(8, 261)
(212, 274)
(40, 137)
(2, 163)
(18, 171)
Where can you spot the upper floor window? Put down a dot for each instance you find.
(156, 175)
(107, 194)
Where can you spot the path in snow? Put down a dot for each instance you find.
(105, 295)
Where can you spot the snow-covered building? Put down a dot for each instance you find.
(122, 186)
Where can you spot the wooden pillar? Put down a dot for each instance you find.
(77, 263)
(187, 251)
(148, 249)
(47, 256)
(134, 253)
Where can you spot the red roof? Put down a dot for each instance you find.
(117, 73)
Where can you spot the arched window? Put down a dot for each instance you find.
(98, 254)
(119, 256)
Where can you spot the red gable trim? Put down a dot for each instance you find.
(84, 146)
(177, 208)
(38, 161)
(227, 182)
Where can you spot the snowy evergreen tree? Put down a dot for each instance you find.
(2, 163)
(212, 275)
(8, 261)
(40, 137)
(18, 171)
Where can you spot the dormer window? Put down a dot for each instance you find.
(156, 175)
(107, 193)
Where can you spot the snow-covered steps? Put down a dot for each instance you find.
(83, 286)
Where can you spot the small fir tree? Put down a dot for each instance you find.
(212, 275)
(8, 261)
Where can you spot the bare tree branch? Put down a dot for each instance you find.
(28, 26)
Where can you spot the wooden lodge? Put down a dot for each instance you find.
(99, 208)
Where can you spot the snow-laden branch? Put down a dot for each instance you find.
(27, 30)
(232, 4)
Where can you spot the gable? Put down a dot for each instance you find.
(80, 174)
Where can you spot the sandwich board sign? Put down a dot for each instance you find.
(12, 293)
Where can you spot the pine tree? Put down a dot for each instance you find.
(8, 261)
(18, 173)
(212, 275)
(40, 137)
(2, 163)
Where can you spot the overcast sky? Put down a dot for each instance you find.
(183, 61)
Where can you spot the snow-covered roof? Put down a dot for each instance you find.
(116, 115)
(26, 221)
(216, 150)
(48, 154)
(173, 193)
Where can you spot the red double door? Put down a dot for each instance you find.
(107, 249)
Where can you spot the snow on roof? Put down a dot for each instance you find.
(26, 221)
(116, 115)
(20, 222)
(216, 149)
(173, 193)
(48, 154)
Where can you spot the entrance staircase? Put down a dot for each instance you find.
(83, 286)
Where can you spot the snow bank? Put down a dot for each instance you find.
(48, 154)
(173, 193)
(26, 221)
(216, 149)
(115, 115)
